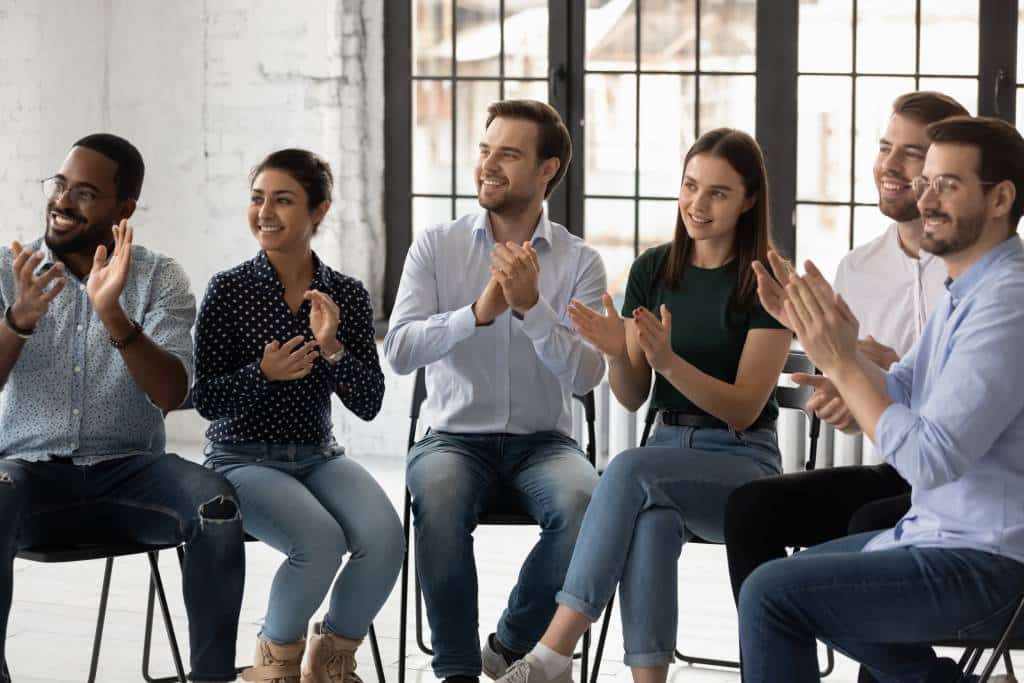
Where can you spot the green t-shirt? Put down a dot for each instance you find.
(700, 332)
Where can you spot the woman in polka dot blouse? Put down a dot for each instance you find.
(276, 336)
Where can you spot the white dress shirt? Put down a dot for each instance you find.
(512, 376)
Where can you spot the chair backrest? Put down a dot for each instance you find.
(419, 395)
(790, 398)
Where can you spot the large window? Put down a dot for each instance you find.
(638, 80)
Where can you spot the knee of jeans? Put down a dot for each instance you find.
(323, 546)
(759, 589)
(570, 506)
(384, 546)
(440, 496)
(745, 509)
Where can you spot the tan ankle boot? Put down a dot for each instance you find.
(331, 658)
(275, 663)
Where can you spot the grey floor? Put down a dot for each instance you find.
(52, 621)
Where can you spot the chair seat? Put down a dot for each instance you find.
(89, 551)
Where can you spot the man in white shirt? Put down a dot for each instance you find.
(891, 285)
(482, 305)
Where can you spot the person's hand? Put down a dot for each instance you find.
(291, 360)
(517, 270)
(655, 337)
(106, 281)
(490, 304)
(824, 324)
(32, 298)
(606, 332)
(826, 402)
(881, 355)
(771, 286)
(324, 318)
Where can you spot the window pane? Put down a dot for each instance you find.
(526, 38)
(428, 211)
(611, 133)
(868, 223)
(1020, 107)
(1020, 46)
(727, 101)
(609, 229)
(473, 98)
(657, 222)
(666, 132)
(432, 137)
(823, 138)
(477, 37)
(874, 107)
(964, 90)
(822, 235)
(826, 35)
(728, 33)
(611, 35)
(528, 90)
(464, 205)
(668, 35)
(432, 37)
(888, 23)
(949, 37)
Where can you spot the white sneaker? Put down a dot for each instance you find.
(494, 664)
(529, 670)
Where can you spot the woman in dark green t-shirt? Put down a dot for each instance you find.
(693, 322)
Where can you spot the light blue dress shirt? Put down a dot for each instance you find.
(956, 429)
(70, 394)
(513, 376)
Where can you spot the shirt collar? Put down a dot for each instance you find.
(541, 234)
(973, 277)
(265, 271)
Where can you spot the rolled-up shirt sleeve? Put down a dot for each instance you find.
(560, 348)
(168, 322)
(973, 397)
(418, 332)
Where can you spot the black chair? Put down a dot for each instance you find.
(792, 398)
(54, 554)
(504, 514)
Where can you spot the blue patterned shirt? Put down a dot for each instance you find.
(70, 394)
(244, 310)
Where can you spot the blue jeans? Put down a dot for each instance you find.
(874, 607)
(314, 504)
(144, 499)
(650, 501)
(453, 478)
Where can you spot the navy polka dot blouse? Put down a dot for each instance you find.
(244, 310)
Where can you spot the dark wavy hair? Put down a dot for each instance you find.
(753, 237)
(308, 170)
(130, 168)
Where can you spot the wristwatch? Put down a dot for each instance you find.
(335, 357)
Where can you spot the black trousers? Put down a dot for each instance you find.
(802, 509)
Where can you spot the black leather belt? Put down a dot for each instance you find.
(674, 418)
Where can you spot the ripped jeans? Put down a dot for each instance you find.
(146, 499)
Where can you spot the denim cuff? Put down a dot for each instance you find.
(581, 606)
(648, 659)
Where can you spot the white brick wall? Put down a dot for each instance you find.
(206, 88)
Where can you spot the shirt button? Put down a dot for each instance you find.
(75, 411)
(79, 328)
(78, 368)
(81, 287)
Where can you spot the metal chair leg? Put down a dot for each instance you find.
(404, 602)
(375, 648)
(599, 652)
(157, 586)
(585, 655)
(830, 662)
(100, 618)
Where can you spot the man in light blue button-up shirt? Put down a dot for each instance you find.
(482, 306)
(94, 347)
(949, 417)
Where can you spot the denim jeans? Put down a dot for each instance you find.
(874, 607)
(144, 499)
(453, 478)
(314, 504)
(650, 501)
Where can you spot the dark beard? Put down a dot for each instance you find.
(85, 242)
(901, 213)
(968, 231)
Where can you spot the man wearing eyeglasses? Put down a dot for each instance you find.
(95, 347)
(892, 285)
(949, 417)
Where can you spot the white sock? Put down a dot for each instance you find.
(552, 662)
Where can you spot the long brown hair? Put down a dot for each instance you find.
(753, 236)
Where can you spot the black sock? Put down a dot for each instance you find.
(508, 655)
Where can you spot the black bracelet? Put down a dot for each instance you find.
(122, 343)
(9, 321)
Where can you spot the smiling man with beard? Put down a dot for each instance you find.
(483, 306)
(95, 346)
(891, 283)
